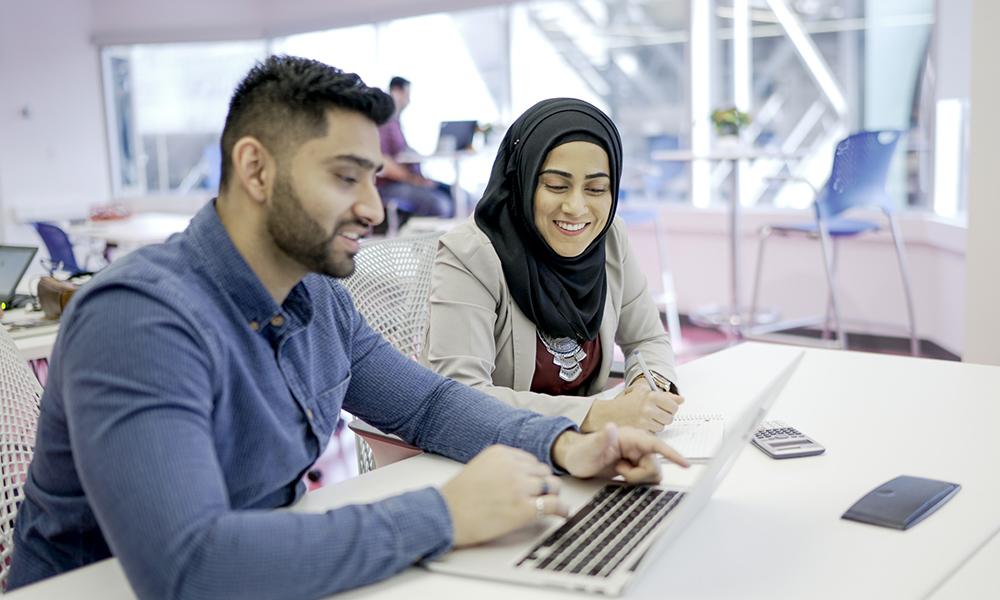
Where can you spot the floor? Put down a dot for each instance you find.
(340, 461)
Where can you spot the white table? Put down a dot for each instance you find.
(456, 158)
(773, 529)
(136, 230)
(33, 342)
(977, 578)
(731, 319)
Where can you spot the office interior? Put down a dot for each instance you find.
(59, 155)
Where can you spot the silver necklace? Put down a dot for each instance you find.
(566, 353)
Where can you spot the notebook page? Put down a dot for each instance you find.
(696, 437)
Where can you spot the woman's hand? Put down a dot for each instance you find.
(637, 406)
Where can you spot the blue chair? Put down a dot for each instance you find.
(61, 256)
(860, 168)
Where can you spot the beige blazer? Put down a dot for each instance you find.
(477, 335)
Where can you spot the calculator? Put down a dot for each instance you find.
(777, 439)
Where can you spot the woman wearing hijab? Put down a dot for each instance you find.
(529, 298)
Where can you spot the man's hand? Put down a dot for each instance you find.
(637, 406)
(498, 492)
(614, 451)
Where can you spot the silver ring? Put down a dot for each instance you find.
(545, 486)
(539, 507)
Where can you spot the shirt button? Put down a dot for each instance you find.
(309, 413)
(278, 321)
(254, 325)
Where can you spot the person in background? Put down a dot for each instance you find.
(194, 382)
(529, 298)
(404, 181)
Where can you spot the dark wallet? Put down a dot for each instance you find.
(902, 502)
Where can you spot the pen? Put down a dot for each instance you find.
(645, 371)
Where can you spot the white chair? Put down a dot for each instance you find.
(390, 287)
(20, 394)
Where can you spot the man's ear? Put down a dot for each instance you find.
(254, 167)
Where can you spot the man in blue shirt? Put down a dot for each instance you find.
(194, 382)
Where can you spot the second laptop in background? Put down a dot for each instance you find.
(455, 135)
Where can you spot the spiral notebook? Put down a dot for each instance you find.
(696, 437)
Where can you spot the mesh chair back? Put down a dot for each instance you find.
(19, 397)
(860, 168)
(59, 247)
(390, 287)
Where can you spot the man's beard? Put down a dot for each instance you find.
(301, 238)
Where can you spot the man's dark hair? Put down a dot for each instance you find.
(398, 83)
(283, 102)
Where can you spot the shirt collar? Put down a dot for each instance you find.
(227, 267)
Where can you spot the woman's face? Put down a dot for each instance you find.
(573, 197)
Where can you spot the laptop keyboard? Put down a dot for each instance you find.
(596, 539)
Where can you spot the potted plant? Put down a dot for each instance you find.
(728, 122)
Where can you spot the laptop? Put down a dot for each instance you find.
(14, 261)
(455, 135)
(604, 545)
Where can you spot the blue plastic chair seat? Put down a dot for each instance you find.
(836, 227)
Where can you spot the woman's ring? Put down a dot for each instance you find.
(545, 486)
(539, 507)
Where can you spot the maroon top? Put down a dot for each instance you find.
(394, 142)
(546, 379)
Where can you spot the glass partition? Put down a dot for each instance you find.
(805, 72)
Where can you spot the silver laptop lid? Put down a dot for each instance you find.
(497, 559)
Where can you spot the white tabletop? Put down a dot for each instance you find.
(33, 342)
(138, 229)
(977, 578)
(773, 528)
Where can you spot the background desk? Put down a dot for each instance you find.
(35, 342)
(136, 230)
(455, 158)
(773, 528)
(732, 319)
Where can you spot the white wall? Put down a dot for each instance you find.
(53, 155)
(982, 292)
(793, 280)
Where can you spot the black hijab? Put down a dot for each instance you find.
(563, 297)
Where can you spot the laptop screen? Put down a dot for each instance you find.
(14, 261)
(461, 132)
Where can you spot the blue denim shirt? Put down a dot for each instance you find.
(183, 403)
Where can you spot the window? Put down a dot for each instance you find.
(167, 102)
